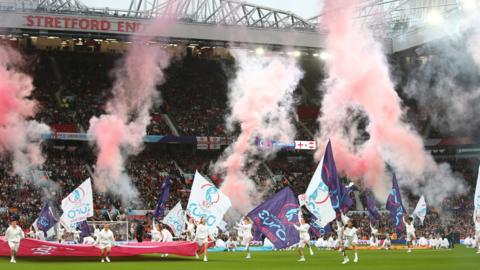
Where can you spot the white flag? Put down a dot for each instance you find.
(175, 219)
(207, 201)
(476, 200)
(77, 206)
(317, 198)
(421, 209)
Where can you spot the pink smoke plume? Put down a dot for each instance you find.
(120, 132)
(260, 100)
(359, 79)
(20, 138)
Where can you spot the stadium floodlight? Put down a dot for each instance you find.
(296, 53)
(324, 55)
(469, 4)
(434, 18)
(260, 51)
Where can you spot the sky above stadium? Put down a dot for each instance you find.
(304, 8)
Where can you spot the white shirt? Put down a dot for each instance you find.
(14, 234)
(76, 234)
(191, 228)
(106, 237)
(39, 235)
(202, 232)
(303, 230)
(247, 230)
(166, 236)
(96, 232)
(88, 240)
(350, 233)
(410, 228)
(156, 236)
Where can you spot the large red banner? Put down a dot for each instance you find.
(36, 248)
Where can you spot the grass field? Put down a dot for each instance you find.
(459, 258)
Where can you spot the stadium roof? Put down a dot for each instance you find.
(401, 24)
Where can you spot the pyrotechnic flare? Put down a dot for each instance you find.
(20, 139)
(119, 133)
(359, 82)
(260, 102)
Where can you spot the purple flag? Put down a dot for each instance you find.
(330, 177)
(276, 217)
(319, 231)
(372, 208)
(257, 235)
(84, 230)
(347, 201)
(163, 198)
(46, 220)
(395, 206)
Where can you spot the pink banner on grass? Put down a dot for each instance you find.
(35, 248)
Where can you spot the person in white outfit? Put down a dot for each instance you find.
(476, 219)
(190, 231)
(201, 237)
(340, 235)
(373, 236)
(351, 240)
(304, 238)
(410, 232)
(387, 243)
(60, 234)
(31, 232)
(156, 233)
(76, 236)
(231, 244)
(246, 229)
(106, 240)
(40, 235)
(166, 234)
(88, 240)
(13, 235)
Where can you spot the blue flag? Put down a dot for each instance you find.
(372, 208)
(163, 198)
(330, 178)
(276, 217)
(46, 220)
(395, 206)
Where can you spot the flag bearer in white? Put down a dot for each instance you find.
(13, 235)
(190, 231)
(156, 233)
(477, 230)
(351, 239)
(246, 229)
(304, 238)
(201, 237)
(106, 240)
(410, 232)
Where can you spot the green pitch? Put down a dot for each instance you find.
(459, 258)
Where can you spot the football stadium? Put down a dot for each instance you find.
(231, 134)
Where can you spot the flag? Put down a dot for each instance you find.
(317, 198)
(372, 208)
(421, 209)
(163, 198)
(318, 230)
(346, 200)
(305, 145)
(175, 219)
(395, 206)
(330, 177)
(46, 220)
(84, 230)
(476, 201)
(207, 201)
(77, 206)
(276, 217)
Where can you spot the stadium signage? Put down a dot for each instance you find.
(83, 23)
